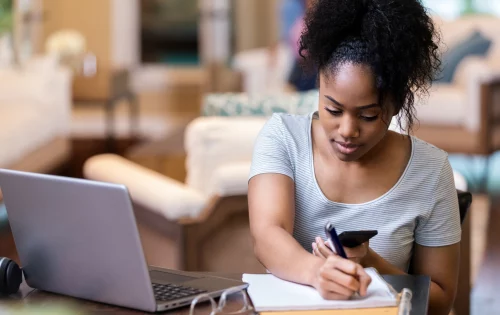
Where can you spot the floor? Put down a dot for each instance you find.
(479, 215)
(485, 295)
(161, 114)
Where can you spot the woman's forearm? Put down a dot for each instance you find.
(378, 262)
(438, 300)
(439, 303)
(280, 253)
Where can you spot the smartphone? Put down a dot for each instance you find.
(352, 239)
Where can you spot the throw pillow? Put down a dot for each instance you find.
(474, 45)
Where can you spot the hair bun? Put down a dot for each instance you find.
(396, 38)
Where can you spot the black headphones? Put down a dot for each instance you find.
(11, 276)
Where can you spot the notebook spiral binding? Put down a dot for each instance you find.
(405, 302)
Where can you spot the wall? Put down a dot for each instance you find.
(111, 29)
(255, 22)
(92, 19)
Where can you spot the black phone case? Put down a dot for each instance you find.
(352, 239)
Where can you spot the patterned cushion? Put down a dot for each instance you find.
(242, 104)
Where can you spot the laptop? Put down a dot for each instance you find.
(79, 238)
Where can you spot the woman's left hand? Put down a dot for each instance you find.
(357, 254)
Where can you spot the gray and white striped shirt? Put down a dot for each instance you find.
(421, 207)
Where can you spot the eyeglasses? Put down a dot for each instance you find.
(222, 307)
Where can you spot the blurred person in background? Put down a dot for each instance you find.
(291, 25)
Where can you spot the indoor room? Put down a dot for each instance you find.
(223, 134)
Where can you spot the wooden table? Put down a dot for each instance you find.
(28, 297)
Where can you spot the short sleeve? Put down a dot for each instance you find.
(270, 154)
(441, 226)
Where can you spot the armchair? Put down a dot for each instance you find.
(35, 113)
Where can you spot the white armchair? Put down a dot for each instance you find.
(219, 152)
(35, 114)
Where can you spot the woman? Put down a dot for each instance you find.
(342, 164)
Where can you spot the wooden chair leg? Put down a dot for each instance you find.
(462, 300)
(161, 239)
(222, 241)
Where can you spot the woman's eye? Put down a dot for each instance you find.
(334, 112)
(369, 118)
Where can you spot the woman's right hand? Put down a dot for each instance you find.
(338, 278)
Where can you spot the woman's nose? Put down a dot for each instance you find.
(349, 127)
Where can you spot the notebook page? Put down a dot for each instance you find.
(269, 293)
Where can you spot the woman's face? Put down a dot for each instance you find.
(349, 112)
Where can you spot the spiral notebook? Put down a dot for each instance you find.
(269, 293)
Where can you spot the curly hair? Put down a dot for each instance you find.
(396, 38)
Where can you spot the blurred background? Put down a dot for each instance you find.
(171, 94)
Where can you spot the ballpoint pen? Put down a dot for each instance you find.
(334, 242)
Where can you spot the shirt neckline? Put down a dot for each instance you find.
(385, 195)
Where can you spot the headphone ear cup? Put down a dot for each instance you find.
(14, 277)
(4, 263)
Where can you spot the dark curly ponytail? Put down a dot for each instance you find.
(396, 38)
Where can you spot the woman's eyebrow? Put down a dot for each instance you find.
(359, 107)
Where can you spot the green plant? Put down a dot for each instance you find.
(6, 16)
(468, 7)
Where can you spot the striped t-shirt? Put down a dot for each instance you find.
(421, 207)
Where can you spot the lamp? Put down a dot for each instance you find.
(70, 48)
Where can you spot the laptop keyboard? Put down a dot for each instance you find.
(168, 292)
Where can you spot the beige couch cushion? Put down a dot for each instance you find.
(35, 107)
(213, 142)
(147, 188)
(219, 150)
(24, 128)
(455, 30)
(445, 105)
(230, 179)
(260, 73)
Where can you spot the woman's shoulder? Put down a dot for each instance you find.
(427, 157)
(290, 124)
(293, 119)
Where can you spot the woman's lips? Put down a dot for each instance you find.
(346, 148)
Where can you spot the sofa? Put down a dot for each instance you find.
(457, 116)
(35, 115)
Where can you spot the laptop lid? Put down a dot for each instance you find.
(77, 237)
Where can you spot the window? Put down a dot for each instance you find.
(169, 31)
(452, 9)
